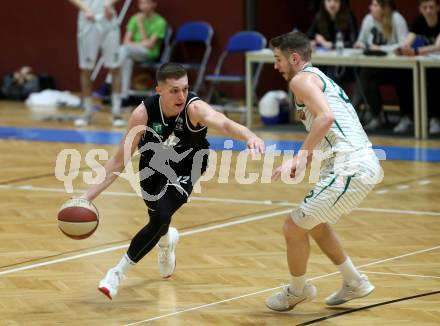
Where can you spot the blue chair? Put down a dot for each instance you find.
(239, 43)
(194, 32)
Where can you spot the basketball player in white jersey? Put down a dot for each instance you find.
(348, 172)
(98, 29)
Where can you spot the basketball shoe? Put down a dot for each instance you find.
(350, 291)
(110, 283)
(285, 300)
(118, 121)
(166, 256)
(83, 121)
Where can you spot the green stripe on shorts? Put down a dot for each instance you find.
(345, 189)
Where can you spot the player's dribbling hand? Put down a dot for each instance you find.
(287, 167)
(256, 145)
(293, 168)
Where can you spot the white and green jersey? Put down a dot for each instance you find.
(346, 134)
(349, 173)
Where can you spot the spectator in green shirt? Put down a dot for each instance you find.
(142, 40)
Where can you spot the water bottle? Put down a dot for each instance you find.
(339, 44)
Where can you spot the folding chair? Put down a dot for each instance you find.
(194, 32)
(153, 65)
(239, 43)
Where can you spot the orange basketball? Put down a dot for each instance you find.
(78, 218)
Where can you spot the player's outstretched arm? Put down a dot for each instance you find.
(203, 114)
(126, 148)
(308, 90)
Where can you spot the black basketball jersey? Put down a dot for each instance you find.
(161, 127)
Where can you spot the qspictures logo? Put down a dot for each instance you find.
(161, 156)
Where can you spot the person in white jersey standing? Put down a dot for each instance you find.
(98, 28)
(349, 170)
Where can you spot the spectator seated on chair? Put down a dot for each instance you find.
(333, 17)
(142, 41)
(384, 29)
(424, 38)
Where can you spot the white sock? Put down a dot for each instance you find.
(349, 272)
(88, 106)
(124, 264)
(164, 241)
(297, 284)
(116, 105)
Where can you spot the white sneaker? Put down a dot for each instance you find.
(373, 124)
(434, 126)
(110, 283)
(349, 292)
(285, 300)
(404, 124)
(118, 122)
(166, 256)
(83, 122)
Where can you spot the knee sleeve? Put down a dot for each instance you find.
(160, 214)
(146, 239)
(160, 219)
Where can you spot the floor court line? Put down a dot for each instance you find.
(223, 200)
(204, 229)
(245, 220)
(401, 274)
(274, 288)
(184, 233)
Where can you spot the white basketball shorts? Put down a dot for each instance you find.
(102, 35)
(341, 188)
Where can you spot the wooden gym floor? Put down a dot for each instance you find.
(231, 254)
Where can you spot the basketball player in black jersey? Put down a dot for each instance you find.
(171, 117)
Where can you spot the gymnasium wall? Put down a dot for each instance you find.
(42, 33)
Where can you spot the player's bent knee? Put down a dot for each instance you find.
(319, 231)
(164, 229)
(292, 230)
(303, 221)
(159, 216)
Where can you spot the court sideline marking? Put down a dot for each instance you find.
(222, 200)
(274, 288)
(401, 274)
(218, 226)
(368, 307)
(185, 233)
(222, 225)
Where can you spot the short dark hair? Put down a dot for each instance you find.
(293, 42)
(422, 1)
(387, 3)
(170, 70)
